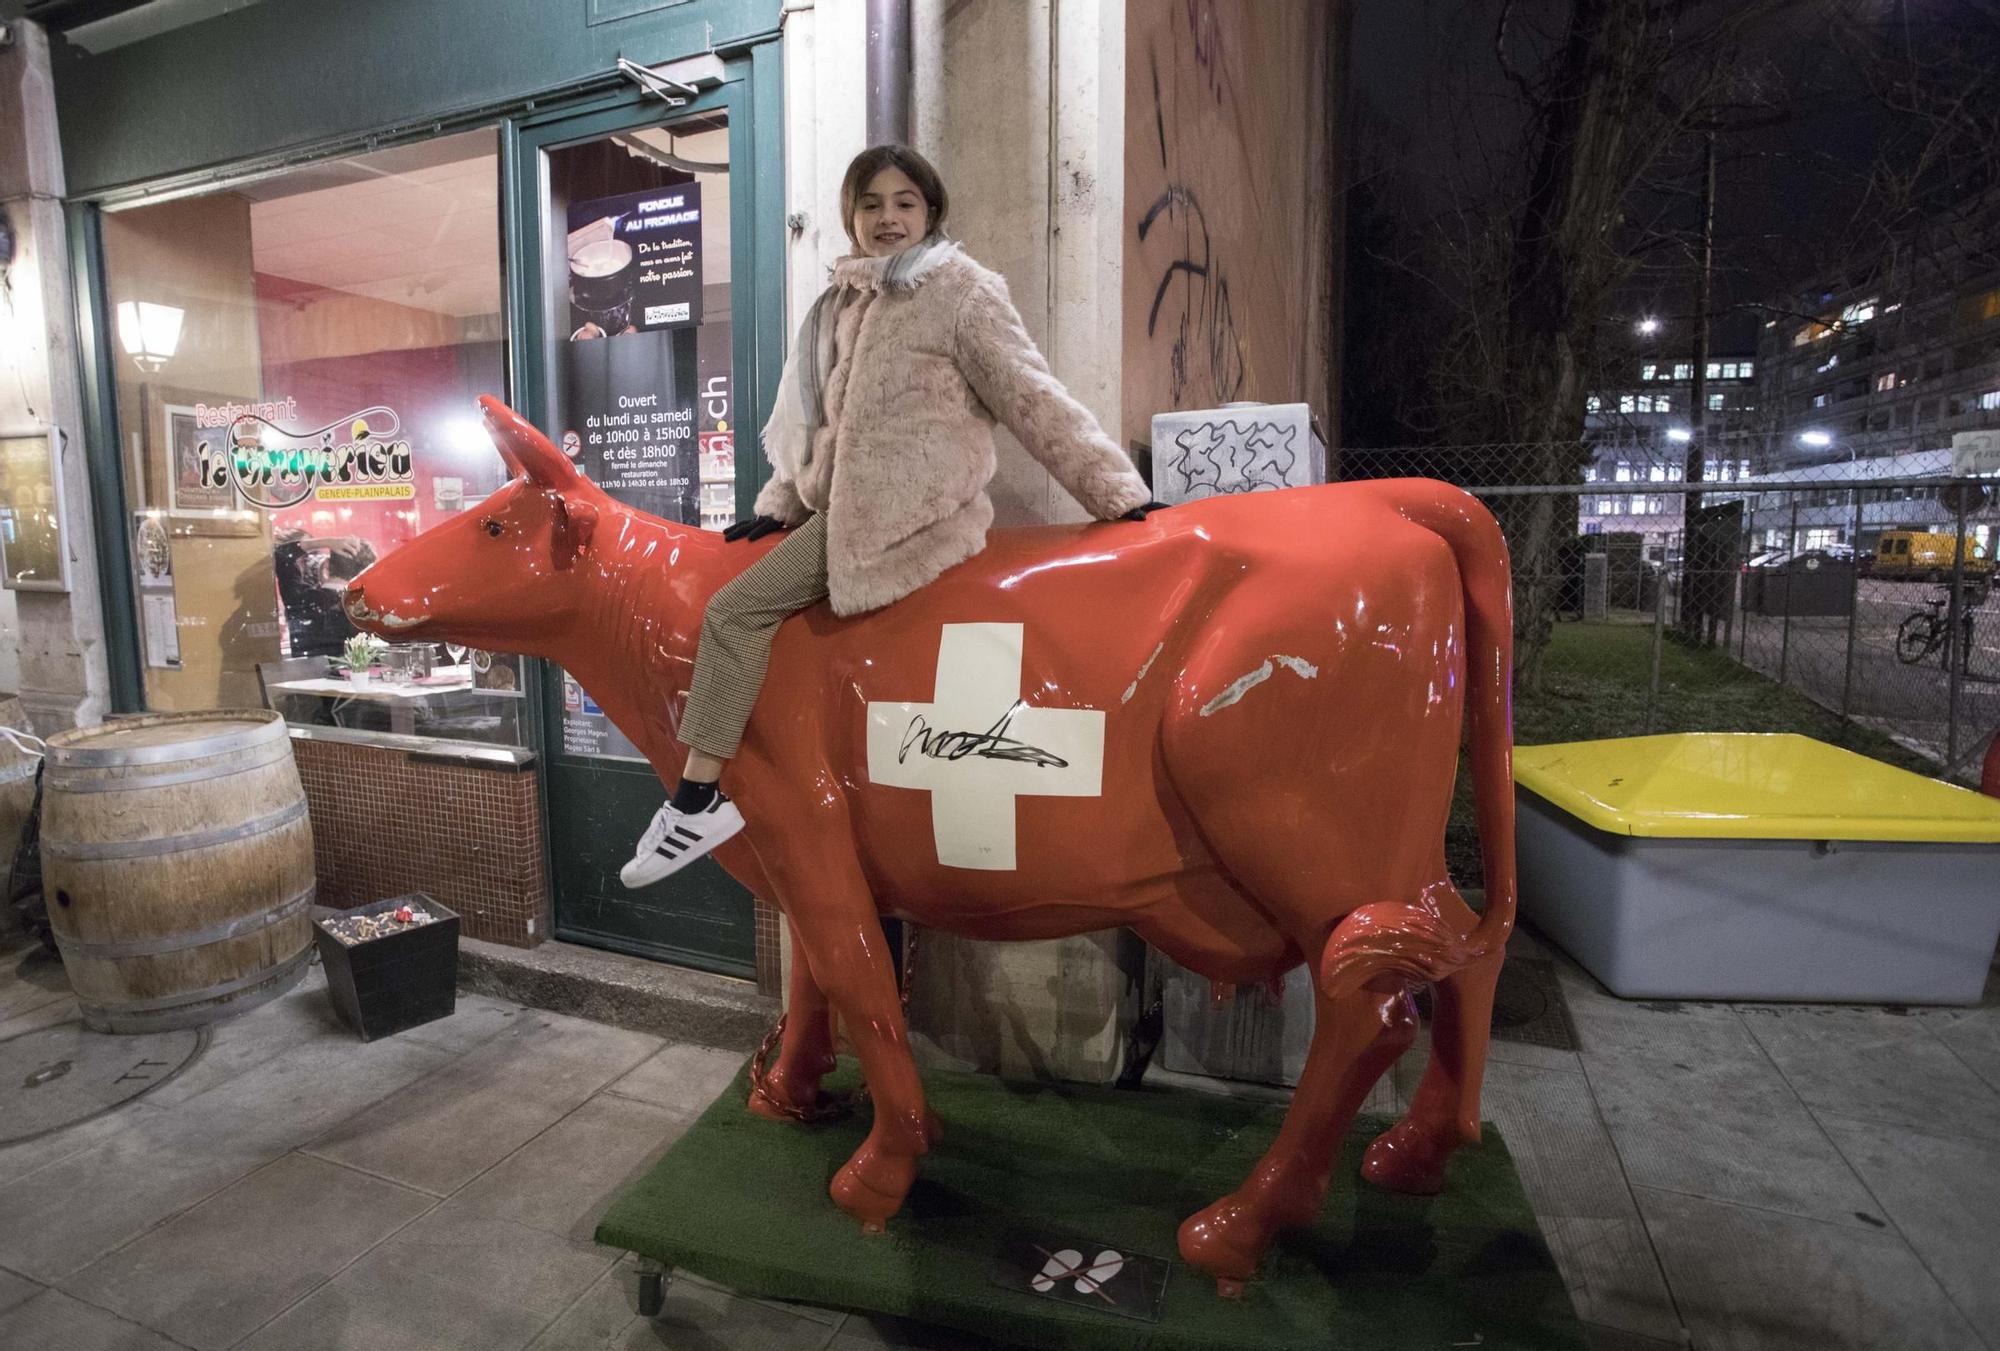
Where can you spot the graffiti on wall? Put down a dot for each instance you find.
(1205, 38)
(1191, 290)
(1226, 245)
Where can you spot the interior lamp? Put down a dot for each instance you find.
(149, 333)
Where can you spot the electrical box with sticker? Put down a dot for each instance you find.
(1237, 448)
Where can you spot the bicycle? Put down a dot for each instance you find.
(1928, 630)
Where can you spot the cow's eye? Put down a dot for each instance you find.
(493, 529)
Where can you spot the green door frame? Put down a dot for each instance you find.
(753, 95)
(584, 798)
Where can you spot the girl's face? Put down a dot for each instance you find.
(890, 214)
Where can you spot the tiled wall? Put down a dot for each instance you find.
(386, 822)
(770, 979)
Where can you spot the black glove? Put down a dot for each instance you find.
(1138, 513)
(755, 528)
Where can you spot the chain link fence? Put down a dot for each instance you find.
(1857, 573)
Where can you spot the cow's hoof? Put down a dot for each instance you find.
(1226, 1240)
(1407, 1158)
(777, 1099)
(871, 1185)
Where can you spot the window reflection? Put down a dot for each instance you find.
(314, 411)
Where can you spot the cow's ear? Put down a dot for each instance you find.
(524, 448)
(576, 522)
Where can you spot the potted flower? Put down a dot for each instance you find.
(358, 658)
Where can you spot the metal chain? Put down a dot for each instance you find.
(823, 1111)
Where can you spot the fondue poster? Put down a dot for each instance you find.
(635, 262)
(628, 403)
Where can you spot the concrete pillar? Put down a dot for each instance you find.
(64, 677)
(1020, 103)
(826, 88)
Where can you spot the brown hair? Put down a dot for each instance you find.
(861, 172)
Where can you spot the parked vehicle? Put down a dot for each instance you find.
(1924, 555)
(1928, 629)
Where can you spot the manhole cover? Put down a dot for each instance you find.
(1528, 1005)
(58, 1076)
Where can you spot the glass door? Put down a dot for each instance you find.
(635, 347)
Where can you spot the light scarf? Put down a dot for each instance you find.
(813, 353)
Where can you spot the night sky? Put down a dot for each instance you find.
(1438, 126)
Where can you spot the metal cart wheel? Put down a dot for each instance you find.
(652, 1288)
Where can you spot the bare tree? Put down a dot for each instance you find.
(1584, 171)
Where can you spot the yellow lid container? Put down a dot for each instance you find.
(1750, 786)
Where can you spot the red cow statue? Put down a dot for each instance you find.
(1233, 727)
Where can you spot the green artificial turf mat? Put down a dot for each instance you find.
(743, 1201)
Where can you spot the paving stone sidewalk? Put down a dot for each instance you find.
(1731, 1178)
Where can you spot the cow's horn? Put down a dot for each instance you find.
(526, 451)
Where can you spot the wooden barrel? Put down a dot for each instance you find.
(17, 799)
(178, 865)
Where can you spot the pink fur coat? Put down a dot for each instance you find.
(901, 465)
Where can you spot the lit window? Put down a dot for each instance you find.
(1646, 371)
(1645, 403)
(1624, 472)
(1989, 401)
(1658, 474)
(1743, 469)
(1663, 404)
(1821, 400)
(1715, 370)
(1885, 382)
(1607, 506)
(1715, 403)
(1590, 473)
(1860, 312)
(1832, 360)
(1744, 369)
(1683, 370)
(1626, 403)
(1593, 404)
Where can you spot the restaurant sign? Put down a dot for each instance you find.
(363, 457)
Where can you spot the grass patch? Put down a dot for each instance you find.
(1594, 686)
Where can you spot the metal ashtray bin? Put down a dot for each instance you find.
(396, 980)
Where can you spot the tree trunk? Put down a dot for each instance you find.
(1563, 262)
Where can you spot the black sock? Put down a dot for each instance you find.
(692, 797)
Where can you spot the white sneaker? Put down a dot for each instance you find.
(676, 839)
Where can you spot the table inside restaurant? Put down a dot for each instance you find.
(403, 700)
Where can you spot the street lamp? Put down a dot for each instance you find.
(1818, 440)
(1647, 327)
(1679, 435)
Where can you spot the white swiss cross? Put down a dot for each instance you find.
(977, 747)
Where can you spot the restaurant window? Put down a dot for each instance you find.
(312, 409)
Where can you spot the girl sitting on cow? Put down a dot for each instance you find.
(881, 447)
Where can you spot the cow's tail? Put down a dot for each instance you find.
(1395, 938)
